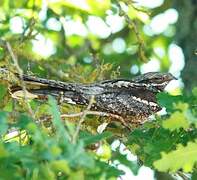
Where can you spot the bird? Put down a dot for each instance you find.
(134, 98)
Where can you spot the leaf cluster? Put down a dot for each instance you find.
(169, 143)
(30, 150)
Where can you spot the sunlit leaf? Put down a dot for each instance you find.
(58, 5)
(176, 121)
(77, 175)
(180, 119)
(104, 152)
(181, 158)
(60, 166)
(98, 7)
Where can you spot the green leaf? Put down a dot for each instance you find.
(180, 119)
(191, 118)
(3, 91)
(59, 6)
(148, 143)
(77, 175)
(99, 7)
(24, 120)
(56, 119)
(2, 53)
(176, 121)
(107, 170)
(3, 123)
(132, 165)
(194, 175)
(194, 91)
(76, 155)
(3, 152)
(168, 101)
(90, 139)
(88, 7)
(181, 158)
(60, 166)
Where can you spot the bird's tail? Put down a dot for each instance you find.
(36, 87)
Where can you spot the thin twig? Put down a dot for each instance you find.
(83, 115)
(20, 72)
(97, 113)
(130, 3)
(132, 25)
(88, 112)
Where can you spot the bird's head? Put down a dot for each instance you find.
(155, 80)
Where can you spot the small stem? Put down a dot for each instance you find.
(82, 119)
(20, 72)
(132, 25)
(97, 113)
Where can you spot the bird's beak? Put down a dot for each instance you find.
(174, 78)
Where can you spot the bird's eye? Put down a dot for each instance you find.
(157, 80)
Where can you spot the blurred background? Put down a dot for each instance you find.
(91, 40)
(59, 35)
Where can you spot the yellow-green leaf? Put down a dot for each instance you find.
(77, 175)
(176, 121)
(98, 7)
(194, 91)
(104, 152)
(182, 158)
(60, 166)
(55, 150)
(3, 151)
(182, 106)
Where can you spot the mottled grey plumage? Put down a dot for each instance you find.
(134, 98)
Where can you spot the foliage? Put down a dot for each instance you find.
(182, 157)
(50, 157)
(31, 152)
(35, 143)
(165, 143)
